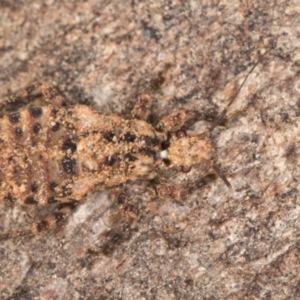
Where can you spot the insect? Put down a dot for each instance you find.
(57, 154)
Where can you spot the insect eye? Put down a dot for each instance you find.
(186, 169)
(181, 134)
(165, 145)
(167, 162)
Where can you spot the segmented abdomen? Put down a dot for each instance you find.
(36, 154)
(51, 154)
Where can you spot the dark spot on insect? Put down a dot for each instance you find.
(147, 152)
(55, 110)
(52, 200)
(111, 160)
(59, 217)
(129, 138)
(19, 132)
(186, 169)
(150, 141)
(167, 162)
(165, 145)
(181, 134)
(130, 157)
(55, 127)
(109, 135)
(69, 144)
(35, 112)
(30, 200)
(42, 225)
(52, 185)
(69, 165)
(37, 127)
(34, 187)
(14, 117)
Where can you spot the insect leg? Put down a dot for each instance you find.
(51, 95)
(47, 223)
(232, 99)
(221, 175)
(122, 218)
(35, 91)
(178, 119)
(169, 192)
(141, 109)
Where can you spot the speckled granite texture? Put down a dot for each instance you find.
(239, 243)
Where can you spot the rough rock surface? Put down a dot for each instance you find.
(238, 243)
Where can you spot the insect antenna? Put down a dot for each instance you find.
(222, 176)
(221, 116)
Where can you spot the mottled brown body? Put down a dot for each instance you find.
(56, 154)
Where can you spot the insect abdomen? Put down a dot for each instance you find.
(36, 151)
(51, 154)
